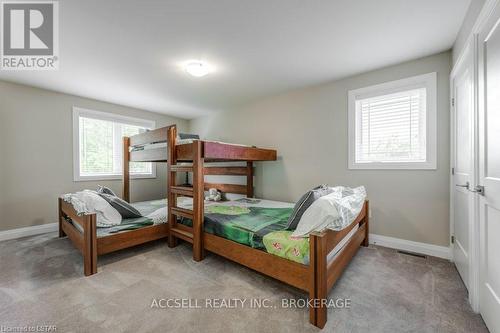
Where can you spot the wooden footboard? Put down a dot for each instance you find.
(323, 272)
(85, 242)
(317, 278)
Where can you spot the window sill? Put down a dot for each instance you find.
(393, 166)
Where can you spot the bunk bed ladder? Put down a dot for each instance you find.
(193, 235)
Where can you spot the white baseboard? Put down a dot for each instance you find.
(411, 246)
(28, 231)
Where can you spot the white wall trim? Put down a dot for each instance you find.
(482, 17)
(411, 246)
(28, 231)
(428, 81)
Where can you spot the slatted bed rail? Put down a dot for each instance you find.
(149, 137)
(142, 140)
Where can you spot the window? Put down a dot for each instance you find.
(98, 145)
(393, 125)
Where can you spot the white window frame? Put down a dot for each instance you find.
(81, 112)
(427, 81)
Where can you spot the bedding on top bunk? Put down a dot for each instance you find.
(178, 143)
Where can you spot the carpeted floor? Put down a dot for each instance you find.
(42, 283)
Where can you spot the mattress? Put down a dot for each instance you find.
(245, 221)
(144, 207)
(260, 224)
(178, 143)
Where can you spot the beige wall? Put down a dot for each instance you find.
(466, 28)
(308, 127)
(36, 154)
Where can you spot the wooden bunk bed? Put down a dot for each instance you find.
(316, 279)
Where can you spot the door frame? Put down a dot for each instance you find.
(472, 44)
(469, 53)
(485, 31)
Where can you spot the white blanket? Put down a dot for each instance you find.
(334, 211)
(159, 216)
(89, 202)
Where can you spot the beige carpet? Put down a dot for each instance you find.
(42, 283)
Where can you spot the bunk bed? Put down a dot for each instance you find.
(316, 277)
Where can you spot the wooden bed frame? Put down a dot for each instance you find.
(316, 279)
(87, 241)
(92, 246)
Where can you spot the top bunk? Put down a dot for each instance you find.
(152, 146)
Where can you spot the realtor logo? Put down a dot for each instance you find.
(30, 36)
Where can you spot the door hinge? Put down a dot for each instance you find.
(452, 171)
(453, 102)
(452, 239)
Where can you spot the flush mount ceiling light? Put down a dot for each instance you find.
(197, 68)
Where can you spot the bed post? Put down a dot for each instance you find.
(250, 179)
(89, 245)
(318, 286)
(198, 201)
(171, 181)
(366, 241)
(126, 170)
(60, 221)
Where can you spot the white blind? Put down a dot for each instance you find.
(391, 127)
(101, 151)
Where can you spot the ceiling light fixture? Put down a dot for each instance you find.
(197, 68)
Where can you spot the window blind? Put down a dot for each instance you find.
(391, 127)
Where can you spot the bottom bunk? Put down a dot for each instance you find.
(257, 223)
(324, 254)
(93, 241)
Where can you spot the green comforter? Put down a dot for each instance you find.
(257, 223)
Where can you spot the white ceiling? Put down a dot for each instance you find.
(129, 52)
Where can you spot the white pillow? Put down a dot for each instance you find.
(318, 216)
(107, 216)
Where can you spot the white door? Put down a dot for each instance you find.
(462, 198)
(489, 169)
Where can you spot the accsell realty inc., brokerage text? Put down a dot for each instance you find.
(252, 303)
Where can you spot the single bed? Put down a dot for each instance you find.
(92, 241)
